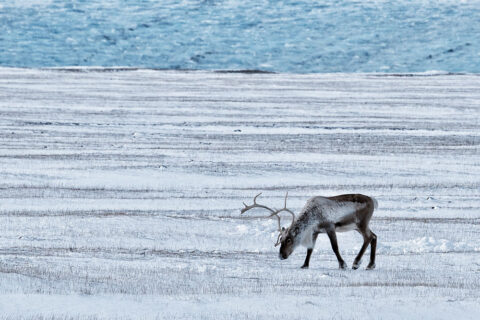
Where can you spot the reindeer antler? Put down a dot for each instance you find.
(256, 205)
(287, 210)
(274, 213)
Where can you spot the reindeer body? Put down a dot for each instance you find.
(345, 212)
(329, 215)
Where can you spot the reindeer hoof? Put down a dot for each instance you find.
(304, 267)
(370, 266)
(356, 265)
(343, 265)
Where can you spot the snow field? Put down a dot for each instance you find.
(120, 193)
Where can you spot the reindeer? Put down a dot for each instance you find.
(328, 215)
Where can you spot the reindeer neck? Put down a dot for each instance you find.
(303, 224)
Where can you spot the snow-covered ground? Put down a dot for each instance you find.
(120, 193)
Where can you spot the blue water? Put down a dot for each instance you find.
(281, 36)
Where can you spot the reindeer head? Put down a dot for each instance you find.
(285, 238)
(287, 243)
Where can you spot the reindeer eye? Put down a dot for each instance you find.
(288, 240)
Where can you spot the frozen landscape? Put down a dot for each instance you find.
(120, 193)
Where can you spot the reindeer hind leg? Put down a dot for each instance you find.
(373, 249)
(358, 258)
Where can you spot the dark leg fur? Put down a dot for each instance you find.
(309, 252)
(307, 259)
(367, 238)
(333, 241)
(358, 259)
(373, 249)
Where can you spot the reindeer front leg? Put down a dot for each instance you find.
(309, 251)
(333, 241)
(307, 259)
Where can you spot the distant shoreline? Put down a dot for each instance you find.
(100, 69)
